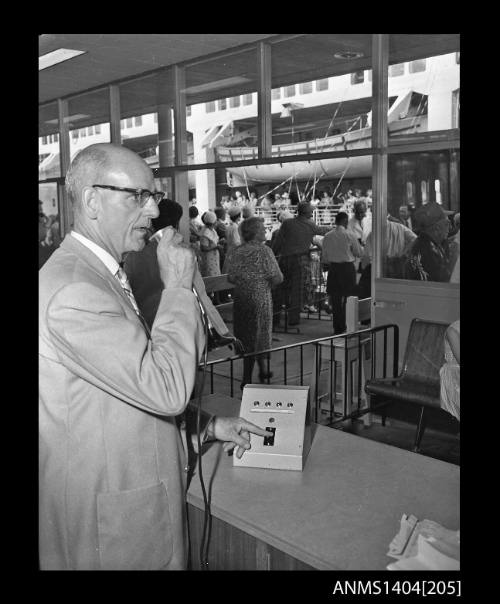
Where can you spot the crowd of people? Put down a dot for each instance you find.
(419, 244)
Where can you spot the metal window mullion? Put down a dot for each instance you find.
(264, 100)
(65, 160)
(165, 136)
(114, 114)
(181, 186)
(380, 96)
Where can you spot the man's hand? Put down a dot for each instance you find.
(235, 431)
(176, 260)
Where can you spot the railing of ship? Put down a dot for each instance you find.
(322, 216)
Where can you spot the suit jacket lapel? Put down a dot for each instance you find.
(73, 246)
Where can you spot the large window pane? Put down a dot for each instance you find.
(146, 109)
(85, 111)
(216, 124)
(141, 135)
(422, 96)
(48, 142)
(330, 108)
(416, 180)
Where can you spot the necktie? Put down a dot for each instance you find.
(121, 275)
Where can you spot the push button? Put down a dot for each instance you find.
(279, 404)
(269, 440)
(267, 403)
(289, 404)
(256, 403)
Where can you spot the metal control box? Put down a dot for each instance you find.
(284, 412)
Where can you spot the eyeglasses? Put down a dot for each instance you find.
(142, 196)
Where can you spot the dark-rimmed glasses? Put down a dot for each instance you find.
(142, 196)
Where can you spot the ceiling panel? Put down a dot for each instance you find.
(406, 47)
(111, 57)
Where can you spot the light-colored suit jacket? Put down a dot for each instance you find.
(112, 464)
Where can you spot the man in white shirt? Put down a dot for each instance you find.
(397, 244)
(340, 250)
(112, 464)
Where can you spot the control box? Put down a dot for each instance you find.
(284, 412)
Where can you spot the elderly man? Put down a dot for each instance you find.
(291, 247)
(113, 469)
(428, 259)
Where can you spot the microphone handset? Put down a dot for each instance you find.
(216, 339)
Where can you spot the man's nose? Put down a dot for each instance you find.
(151, 208)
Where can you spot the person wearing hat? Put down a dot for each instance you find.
(209, 246)
(428, 259)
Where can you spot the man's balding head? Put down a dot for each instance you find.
(91, 165)
(111, 217)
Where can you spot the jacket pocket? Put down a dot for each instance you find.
(134, 529)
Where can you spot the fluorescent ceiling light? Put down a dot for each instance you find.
(57, 56)
(69, 118)
(217, 84)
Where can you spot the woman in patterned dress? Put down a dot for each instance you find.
(209, 246)
(254, 270)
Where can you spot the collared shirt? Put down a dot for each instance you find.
(360, 230)
(340, 245)
(105, 257)
(398, 241)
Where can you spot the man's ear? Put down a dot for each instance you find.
(90, 202)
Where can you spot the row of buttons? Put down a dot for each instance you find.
(269, 404)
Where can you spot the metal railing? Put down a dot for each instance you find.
(361, 355)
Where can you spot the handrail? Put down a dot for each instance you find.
(307, 342)
(340, 352)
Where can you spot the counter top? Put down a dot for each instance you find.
(342, 511)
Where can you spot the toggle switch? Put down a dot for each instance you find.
(269, 440)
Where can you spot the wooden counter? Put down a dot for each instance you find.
(340, 513)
